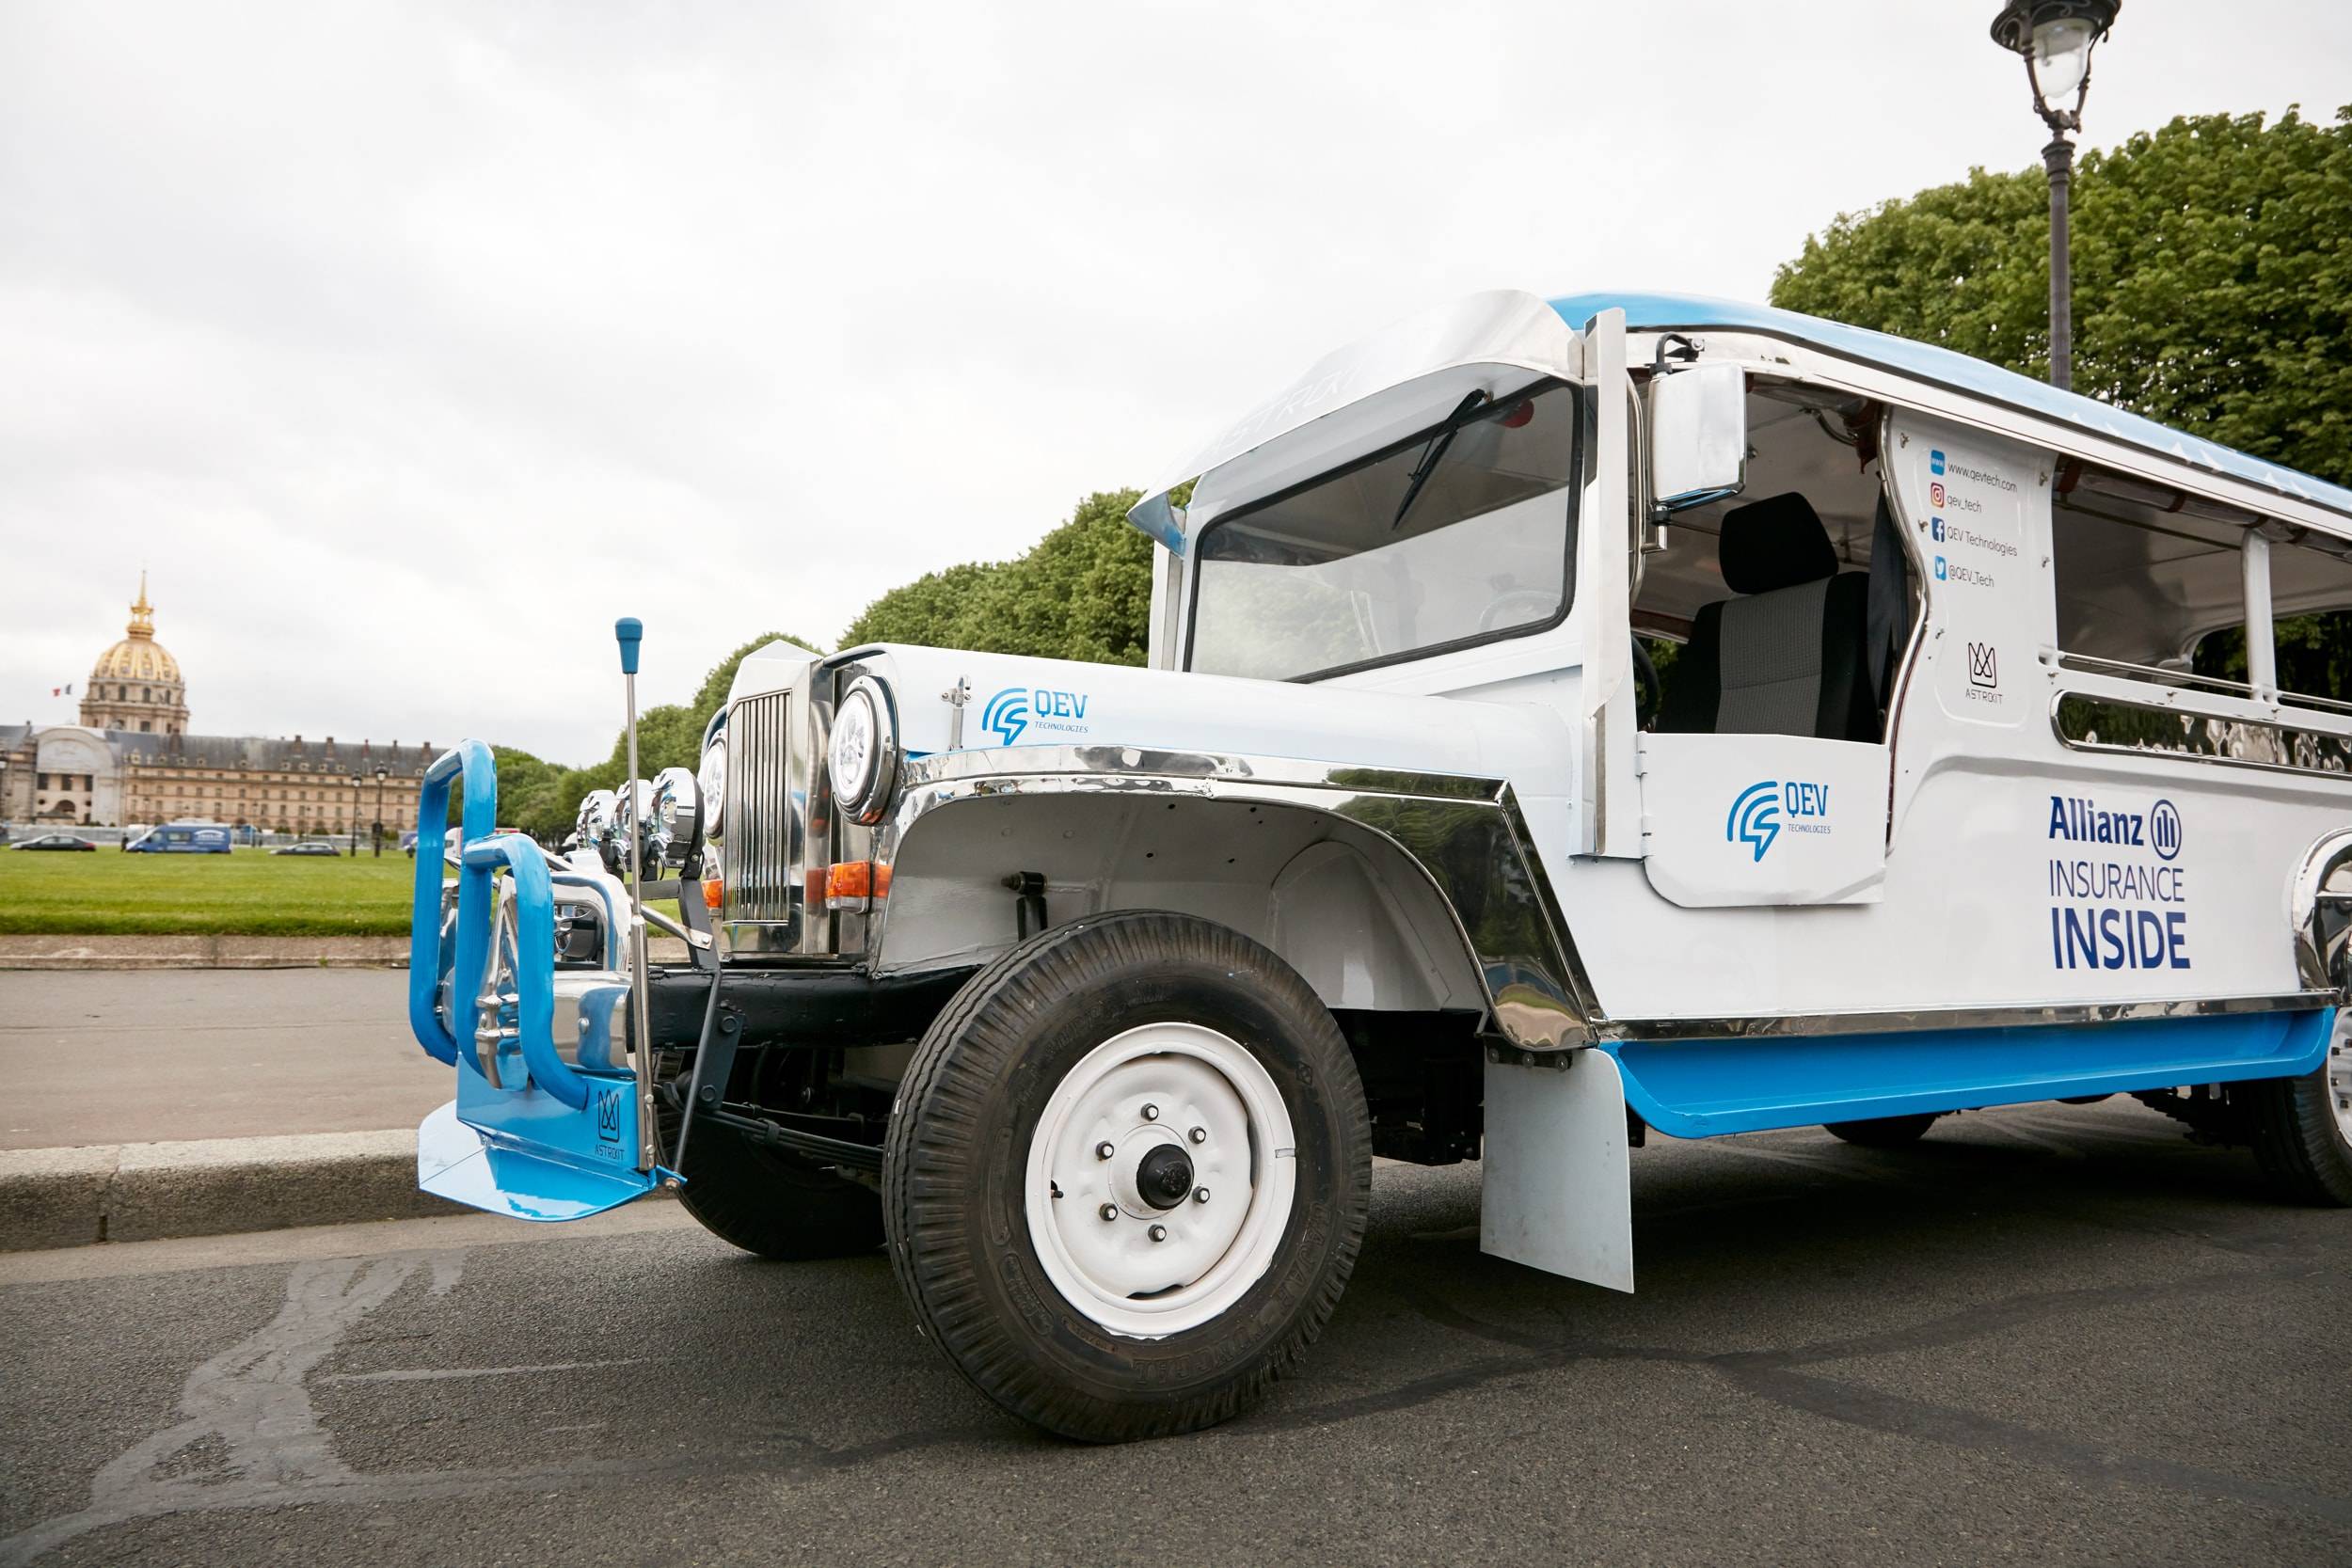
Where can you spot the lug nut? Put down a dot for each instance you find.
(1108, 1210)
(1103, 1151)
(1200, 1195)
(1150, 1113)
(1159, 1233)
(1198, 1134)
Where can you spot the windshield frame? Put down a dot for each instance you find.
(1580, 457)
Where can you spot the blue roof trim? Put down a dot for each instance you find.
(1958, 371)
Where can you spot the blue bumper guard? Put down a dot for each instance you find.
(529, 1136)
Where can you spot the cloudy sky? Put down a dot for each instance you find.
(406, 345)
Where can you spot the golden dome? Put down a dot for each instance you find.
(139, 656)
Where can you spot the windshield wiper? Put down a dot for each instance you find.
(1433, 454)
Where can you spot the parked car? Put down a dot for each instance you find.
(55, 841)
(181, 838)
(311, 846)
(408, 843)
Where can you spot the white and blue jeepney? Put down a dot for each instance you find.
(1564, 719)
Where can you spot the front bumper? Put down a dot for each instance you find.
(546, 1125)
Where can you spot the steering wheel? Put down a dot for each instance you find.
(1652, 697)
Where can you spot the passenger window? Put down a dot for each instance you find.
(2151, 585)
(1763, 614)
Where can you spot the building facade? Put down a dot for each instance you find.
(132, 761)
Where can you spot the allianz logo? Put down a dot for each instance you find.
(1762, 811)
(2079, 820)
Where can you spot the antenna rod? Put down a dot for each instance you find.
(628, 631)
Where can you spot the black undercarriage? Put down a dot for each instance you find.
(805, 1060)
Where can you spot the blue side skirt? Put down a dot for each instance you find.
(1702, 1088)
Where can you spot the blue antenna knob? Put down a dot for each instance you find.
(630, 631)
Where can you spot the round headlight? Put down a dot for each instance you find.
(712, 778)
(677, 815)
(863, 757)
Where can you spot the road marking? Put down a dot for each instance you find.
(429, 1374)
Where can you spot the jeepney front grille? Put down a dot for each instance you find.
(760, 855)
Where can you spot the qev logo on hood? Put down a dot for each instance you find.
(1018, 709)
(1006, 715)
(1761, 811)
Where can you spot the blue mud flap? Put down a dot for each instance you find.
(530, 1135)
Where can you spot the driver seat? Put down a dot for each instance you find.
(1789, 655)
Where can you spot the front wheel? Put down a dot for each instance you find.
(1127, 1175)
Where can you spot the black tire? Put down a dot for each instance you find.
(2298, 1141)
(772, 1203)
(956, 1162)
(1881, 1131)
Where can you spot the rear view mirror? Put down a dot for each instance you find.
(1698, 436)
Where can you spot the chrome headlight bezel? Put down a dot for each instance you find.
(710, 779)
(676, 818)
(861, 753)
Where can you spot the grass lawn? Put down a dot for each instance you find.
(245, 892)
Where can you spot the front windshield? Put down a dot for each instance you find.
(1465, 532)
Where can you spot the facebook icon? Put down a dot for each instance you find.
(1937, 529)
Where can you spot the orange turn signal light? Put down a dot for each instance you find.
(712, 888)
(854, 884)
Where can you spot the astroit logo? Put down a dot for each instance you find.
(1007, 714)
(609, 1115)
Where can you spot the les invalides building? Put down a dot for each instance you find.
(132, 760)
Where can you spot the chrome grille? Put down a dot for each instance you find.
(761, 853)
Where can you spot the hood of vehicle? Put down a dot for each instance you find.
(1011, 701)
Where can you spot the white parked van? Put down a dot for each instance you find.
(1564, 718)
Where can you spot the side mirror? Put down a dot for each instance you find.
(1698, 436)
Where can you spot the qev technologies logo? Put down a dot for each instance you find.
(1760, 812)
(1755, 816)
(1007, 714)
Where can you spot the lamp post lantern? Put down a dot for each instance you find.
(377, 832)
(2055, 38)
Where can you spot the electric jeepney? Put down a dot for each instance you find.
(1564, 719)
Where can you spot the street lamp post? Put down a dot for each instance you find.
(355, 814)
(376, 830)
(2055, 38)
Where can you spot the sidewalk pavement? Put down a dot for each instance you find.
(181, 1103)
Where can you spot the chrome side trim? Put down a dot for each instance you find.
(1913, 1020)
(2084, 721)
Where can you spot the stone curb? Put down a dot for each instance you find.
(58, 1198)
(64, 1197)
(202, 952)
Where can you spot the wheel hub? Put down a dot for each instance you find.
(1160, 1179)
(1164, 1177)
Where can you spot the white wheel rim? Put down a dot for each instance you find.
(1217, 1105)
(2339, 1074)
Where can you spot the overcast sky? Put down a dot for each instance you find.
(406, 345)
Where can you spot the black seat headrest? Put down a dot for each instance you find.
(1775, 543)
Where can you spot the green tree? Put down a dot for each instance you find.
(1083, 592)
(2212, 292)
(2211, 279)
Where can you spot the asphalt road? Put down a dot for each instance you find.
(2052, 1336)
(104, 1056)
